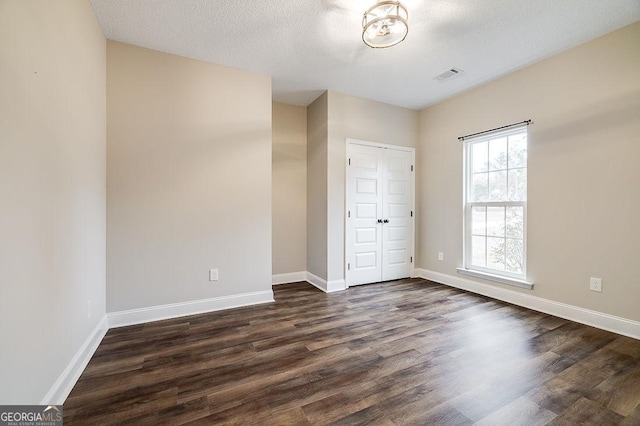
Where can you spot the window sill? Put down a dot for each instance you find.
(503, 280)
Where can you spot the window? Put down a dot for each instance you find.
(496, 204)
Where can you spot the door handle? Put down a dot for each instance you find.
(385, 221)
(379, 220)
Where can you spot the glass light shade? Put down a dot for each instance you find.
(385, 24)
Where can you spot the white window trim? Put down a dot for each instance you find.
(497, 278)
(504, 277)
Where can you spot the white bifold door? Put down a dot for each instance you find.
(379, 228)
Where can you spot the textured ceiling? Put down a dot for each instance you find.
(309, 46)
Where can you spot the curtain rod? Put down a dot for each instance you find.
(527, 122)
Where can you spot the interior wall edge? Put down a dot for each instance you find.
(62, 387)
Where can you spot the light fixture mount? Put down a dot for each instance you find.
(385, 24)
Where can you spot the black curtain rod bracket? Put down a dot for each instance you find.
(526, 122)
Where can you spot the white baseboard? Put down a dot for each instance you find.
(291, 277)
(316, 281)
(327, 287)
(67, 380)
(175, 310)
(596, 319)
(336, 285)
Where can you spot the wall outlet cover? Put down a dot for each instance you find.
(595, 284)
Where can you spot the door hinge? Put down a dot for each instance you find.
(349, 161)
(411, 213)
(348, 266)
(411, 259)
(412, 167)
(349, 213)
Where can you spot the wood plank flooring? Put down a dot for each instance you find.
(408, 352)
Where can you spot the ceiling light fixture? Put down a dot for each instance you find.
(385, 24)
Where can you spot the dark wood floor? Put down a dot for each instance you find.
(410, 352)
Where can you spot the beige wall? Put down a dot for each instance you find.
(289, 162)
(317, 187)
(356, 118)
(584, 173)
(188, 179)
(52, 190)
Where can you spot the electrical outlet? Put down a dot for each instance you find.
(440, 255)
(213, 275)
(595, 284)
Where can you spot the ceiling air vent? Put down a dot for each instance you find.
(448, 74)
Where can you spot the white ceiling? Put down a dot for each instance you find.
(309, 46)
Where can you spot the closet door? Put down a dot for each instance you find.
(364, 189)
(397, 229)
(379, 240)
